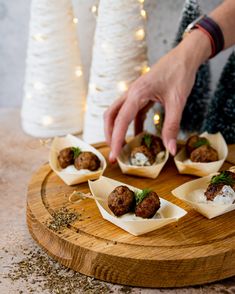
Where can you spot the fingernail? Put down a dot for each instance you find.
(172, 146)
(111, 158)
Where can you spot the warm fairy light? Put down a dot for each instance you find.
(145, 69)
(94, 9)
(156, 118)
(140, 34)
(78, 71)
(38, 86)
(75, 20)
(39, 37)
(143, 13)
(122, 86)
(47, 120)
(141, 1)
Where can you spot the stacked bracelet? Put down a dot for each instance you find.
(208, 26)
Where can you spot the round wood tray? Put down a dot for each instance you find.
(192, 251)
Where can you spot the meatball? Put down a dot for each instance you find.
(204, 153)
(155, 145)
(214, 188)
(189, 146)
(87, 160)
(142, 156)
(66, 157)
(212, 191)
(148, 206)
(121, 200)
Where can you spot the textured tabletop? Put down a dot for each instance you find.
(24, 268)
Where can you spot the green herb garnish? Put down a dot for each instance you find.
(223, 178)
(140, 195)
(147, 140)
(201, 142)
(76, 152)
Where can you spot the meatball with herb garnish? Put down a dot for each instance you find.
(153, 143)
(222, 188)
(87, 160)
(204, 153)
(66, 157)
(194, 142)
(142, 156)
(147, 203)
(121, 200)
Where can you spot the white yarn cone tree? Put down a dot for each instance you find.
(54, 87)
(119, 57)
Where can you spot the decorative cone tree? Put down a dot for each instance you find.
(221, 112)
(197, 103)
(119, 57)
(54, 88)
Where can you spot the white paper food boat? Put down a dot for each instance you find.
(71, 175)
(191, 193)
(136, 226)
(151, 171)
(201, 169)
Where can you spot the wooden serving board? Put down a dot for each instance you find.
(192, 251)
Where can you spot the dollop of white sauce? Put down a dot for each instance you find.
(225, 196)
(71, 169)
(132, 216)
(140, 160)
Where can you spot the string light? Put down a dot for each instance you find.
(47, 120)
(141, 1)
(145, 69)
(39, 37)
(122, 86)
(94, 9)
(156, 118)
(78, 71)
(143, 13)
(38, 86)
(140, 34)
(75, 20)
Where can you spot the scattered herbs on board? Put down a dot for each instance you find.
(61, 218)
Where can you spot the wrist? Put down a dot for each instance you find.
(195, 48)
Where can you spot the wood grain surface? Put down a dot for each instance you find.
(192, 251)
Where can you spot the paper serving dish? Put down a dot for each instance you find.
(71, 175)
(141, 171)
(186, 166)
(192, 193)
(136, 226)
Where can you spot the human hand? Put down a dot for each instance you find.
(169, 82)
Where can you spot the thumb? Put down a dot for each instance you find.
(171, 125)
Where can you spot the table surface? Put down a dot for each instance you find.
(20, 156)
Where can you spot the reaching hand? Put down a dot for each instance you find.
(169, 82)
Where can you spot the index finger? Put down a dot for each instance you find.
(126, 114)
(110, 116)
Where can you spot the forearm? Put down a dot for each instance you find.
(224, 16)
(196, 46)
